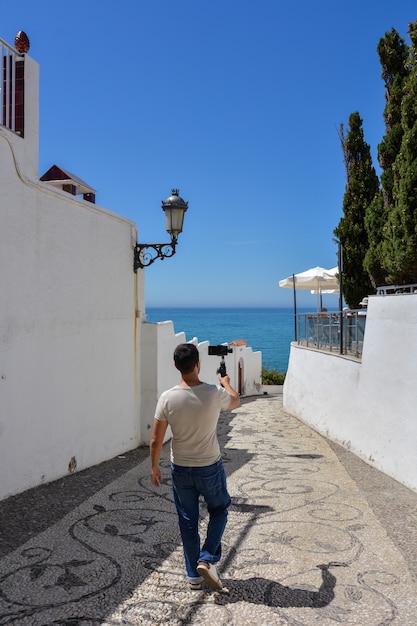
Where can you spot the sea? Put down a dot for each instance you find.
(268, 330)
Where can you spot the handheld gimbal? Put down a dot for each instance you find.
(221, 351)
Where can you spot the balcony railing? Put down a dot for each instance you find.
(12, 88)
(338, 332)
(396, 290)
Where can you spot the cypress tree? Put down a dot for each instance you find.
(400, 236)
(361, 187)
(393, 55)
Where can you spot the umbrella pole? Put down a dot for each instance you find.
(340, 262)
(295, 308)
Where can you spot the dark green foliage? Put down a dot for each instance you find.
(400, 236)
(387, 251)
(361, 187)
(272, 377)
(393, 55)
(375, 221)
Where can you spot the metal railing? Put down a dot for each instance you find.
(395, 290)
(337, 332)
(9, 58)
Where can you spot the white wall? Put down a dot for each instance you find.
(369, 407)
(159, 341)
(158, 372)
(242, 356)
(68, 336)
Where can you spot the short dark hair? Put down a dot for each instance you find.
(186, 357)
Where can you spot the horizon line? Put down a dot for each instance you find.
(230, 306)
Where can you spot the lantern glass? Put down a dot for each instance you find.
(174, 220)
(174, 208)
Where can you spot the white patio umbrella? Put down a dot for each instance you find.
(331, 272)
(317, 280)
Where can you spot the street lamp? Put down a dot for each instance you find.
(146, 253)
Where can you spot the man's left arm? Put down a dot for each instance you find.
(155, 446)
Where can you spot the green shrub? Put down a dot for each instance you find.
(272, 377)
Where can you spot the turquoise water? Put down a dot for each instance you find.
(268, 330)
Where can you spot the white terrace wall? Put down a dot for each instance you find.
(158, 372)
(368, 407)
(159, 341)
(69, 393)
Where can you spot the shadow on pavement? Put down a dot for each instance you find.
(271, 593)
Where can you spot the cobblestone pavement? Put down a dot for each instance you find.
(315, 536)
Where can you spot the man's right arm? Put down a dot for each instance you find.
(234, 396)
(155, 447)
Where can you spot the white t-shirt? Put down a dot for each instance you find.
(193, 413)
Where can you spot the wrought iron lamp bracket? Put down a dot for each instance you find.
(146, 253)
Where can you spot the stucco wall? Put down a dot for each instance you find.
(68, 337)
(159, 341)
(369, 407)
(158, 371)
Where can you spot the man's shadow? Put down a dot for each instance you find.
(270, 593)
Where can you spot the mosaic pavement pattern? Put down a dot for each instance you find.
(302, 546)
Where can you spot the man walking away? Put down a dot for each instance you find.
(192, 409)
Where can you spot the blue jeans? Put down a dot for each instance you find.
(188, 484)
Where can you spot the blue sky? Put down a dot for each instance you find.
(237, 103)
